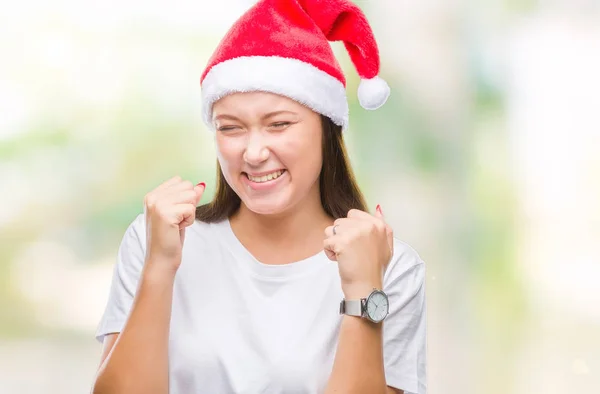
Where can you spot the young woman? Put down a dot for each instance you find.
(284, 283)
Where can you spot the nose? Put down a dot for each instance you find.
(256, 150)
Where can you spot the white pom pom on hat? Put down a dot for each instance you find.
(283, 47)
(373, 93)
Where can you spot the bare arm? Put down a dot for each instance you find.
(358, 365)
(136, 360)
(363, 250)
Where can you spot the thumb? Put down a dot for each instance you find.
(378, 212)
(199, 189)
(389, 232)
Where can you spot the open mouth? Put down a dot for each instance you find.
(266, 178)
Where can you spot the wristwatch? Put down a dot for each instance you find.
(375, 307)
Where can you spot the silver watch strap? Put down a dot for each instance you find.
(351, 307)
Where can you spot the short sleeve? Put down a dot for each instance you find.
(404, 329)
(126, 273)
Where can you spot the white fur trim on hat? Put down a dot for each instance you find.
(288, 77)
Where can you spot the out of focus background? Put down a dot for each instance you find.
(486, 159)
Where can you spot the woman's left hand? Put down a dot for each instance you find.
(363, 246)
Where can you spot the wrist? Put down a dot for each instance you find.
(358, 290)
(159, 270)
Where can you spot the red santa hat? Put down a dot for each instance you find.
(282, 47)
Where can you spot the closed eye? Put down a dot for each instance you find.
(280, 125)
(225, 128)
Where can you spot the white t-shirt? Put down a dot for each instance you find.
(241, 326)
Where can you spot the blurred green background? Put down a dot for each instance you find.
(486, 159)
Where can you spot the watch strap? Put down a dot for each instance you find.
(352, 307)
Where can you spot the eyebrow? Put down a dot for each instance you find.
(265, 116)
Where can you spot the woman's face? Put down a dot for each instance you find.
(260, 133)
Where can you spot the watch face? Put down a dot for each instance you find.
(377, 306)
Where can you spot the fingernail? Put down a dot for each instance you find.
(202, 184)
(379, 209)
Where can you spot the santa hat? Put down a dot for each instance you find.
(282, 47)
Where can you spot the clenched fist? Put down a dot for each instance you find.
(363, 245)
(168, 210)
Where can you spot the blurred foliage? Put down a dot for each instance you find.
(79, 165)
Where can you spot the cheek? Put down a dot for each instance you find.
(228, 153)
(305, 157)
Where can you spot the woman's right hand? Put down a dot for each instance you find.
(168, 210)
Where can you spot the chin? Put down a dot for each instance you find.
(263, 208)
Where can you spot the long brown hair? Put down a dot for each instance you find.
(337, 184)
